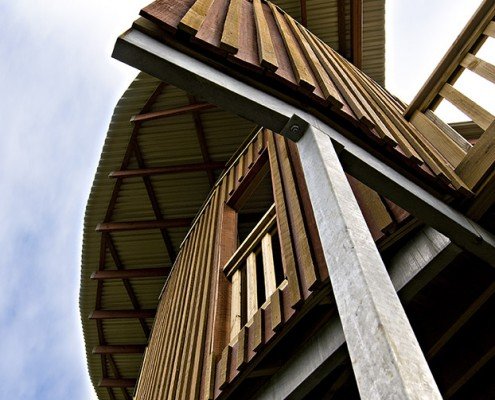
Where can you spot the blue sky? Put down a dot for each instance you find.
(58, 87)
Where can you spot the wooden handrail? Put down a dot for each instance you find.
(448, 70)
(263, 226)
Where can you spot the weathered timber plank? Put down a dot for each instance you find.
(252, 285)
(326, 85)
(231, 27)
(479, 66)
(192, 308)
(256, 331)
(241, 349)
(223, 367)
(268, 265)
(480, 160)
(443, 143)
(298, 230)
(199, 345)
(490, 30)
(477, 113)
(235, 305)
(354, 100)
(266, 51)
(303, 77)
(195, 16)
(288, 256)
(209, 384)
(276, 310)
(376, 215)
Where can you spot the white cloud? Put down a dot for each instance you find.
(59, 86)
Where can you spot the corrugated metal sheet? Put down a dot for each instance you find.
(163, 142)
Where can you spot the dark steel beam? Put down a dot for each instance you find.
(171, 112)
(140, 225)
(198, 125)
(130, 149)
(117, 314)
(171, 169)
(119, 349)
(116, 382)
(130, 273)
(127, 285)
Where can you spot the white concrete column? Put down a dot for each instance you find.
(386, 358)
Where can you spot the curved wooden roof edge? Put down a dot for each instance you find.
(259, 42)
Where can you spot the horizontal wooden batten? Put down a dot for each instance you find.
(171, 112)
(171, 169)
(130, 273)
(117, 314)
(477, 113)
(480, 67)
(119, 349)
(254, 237)
(117, 382)
(468, 41)
(141, 225)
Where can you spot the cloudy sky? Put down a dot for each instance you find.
(58, 86)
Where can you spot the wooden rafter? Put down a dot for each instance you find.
(202, 140)
(171, 169)
(117, 382)
(140, 225)
(119, 349)
(193, 107)
(130, 273)
(357, 32)
(118, 314)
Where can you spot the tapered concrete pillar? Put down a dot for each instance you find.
(386, 358)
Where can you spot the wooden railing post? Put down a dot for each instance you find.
(252, 286)
(268, 265)
(236, 304)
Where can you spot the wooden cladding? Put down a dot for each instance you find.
(232, 295)
(174, 357)
(258, 40)
(269, 276)
(272, 273)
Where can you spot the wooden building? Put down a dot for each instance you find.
(268, 222)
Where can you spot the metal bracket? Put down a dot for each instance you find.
(295, 128)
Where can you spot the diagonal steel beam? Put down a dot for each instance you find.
(216, 87)
(200, 133)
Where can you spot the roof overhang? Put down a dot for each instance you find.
(165, 62)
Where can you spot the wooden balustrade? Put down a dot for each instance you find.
(472, 164)
(243, 270)
(440, 86)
